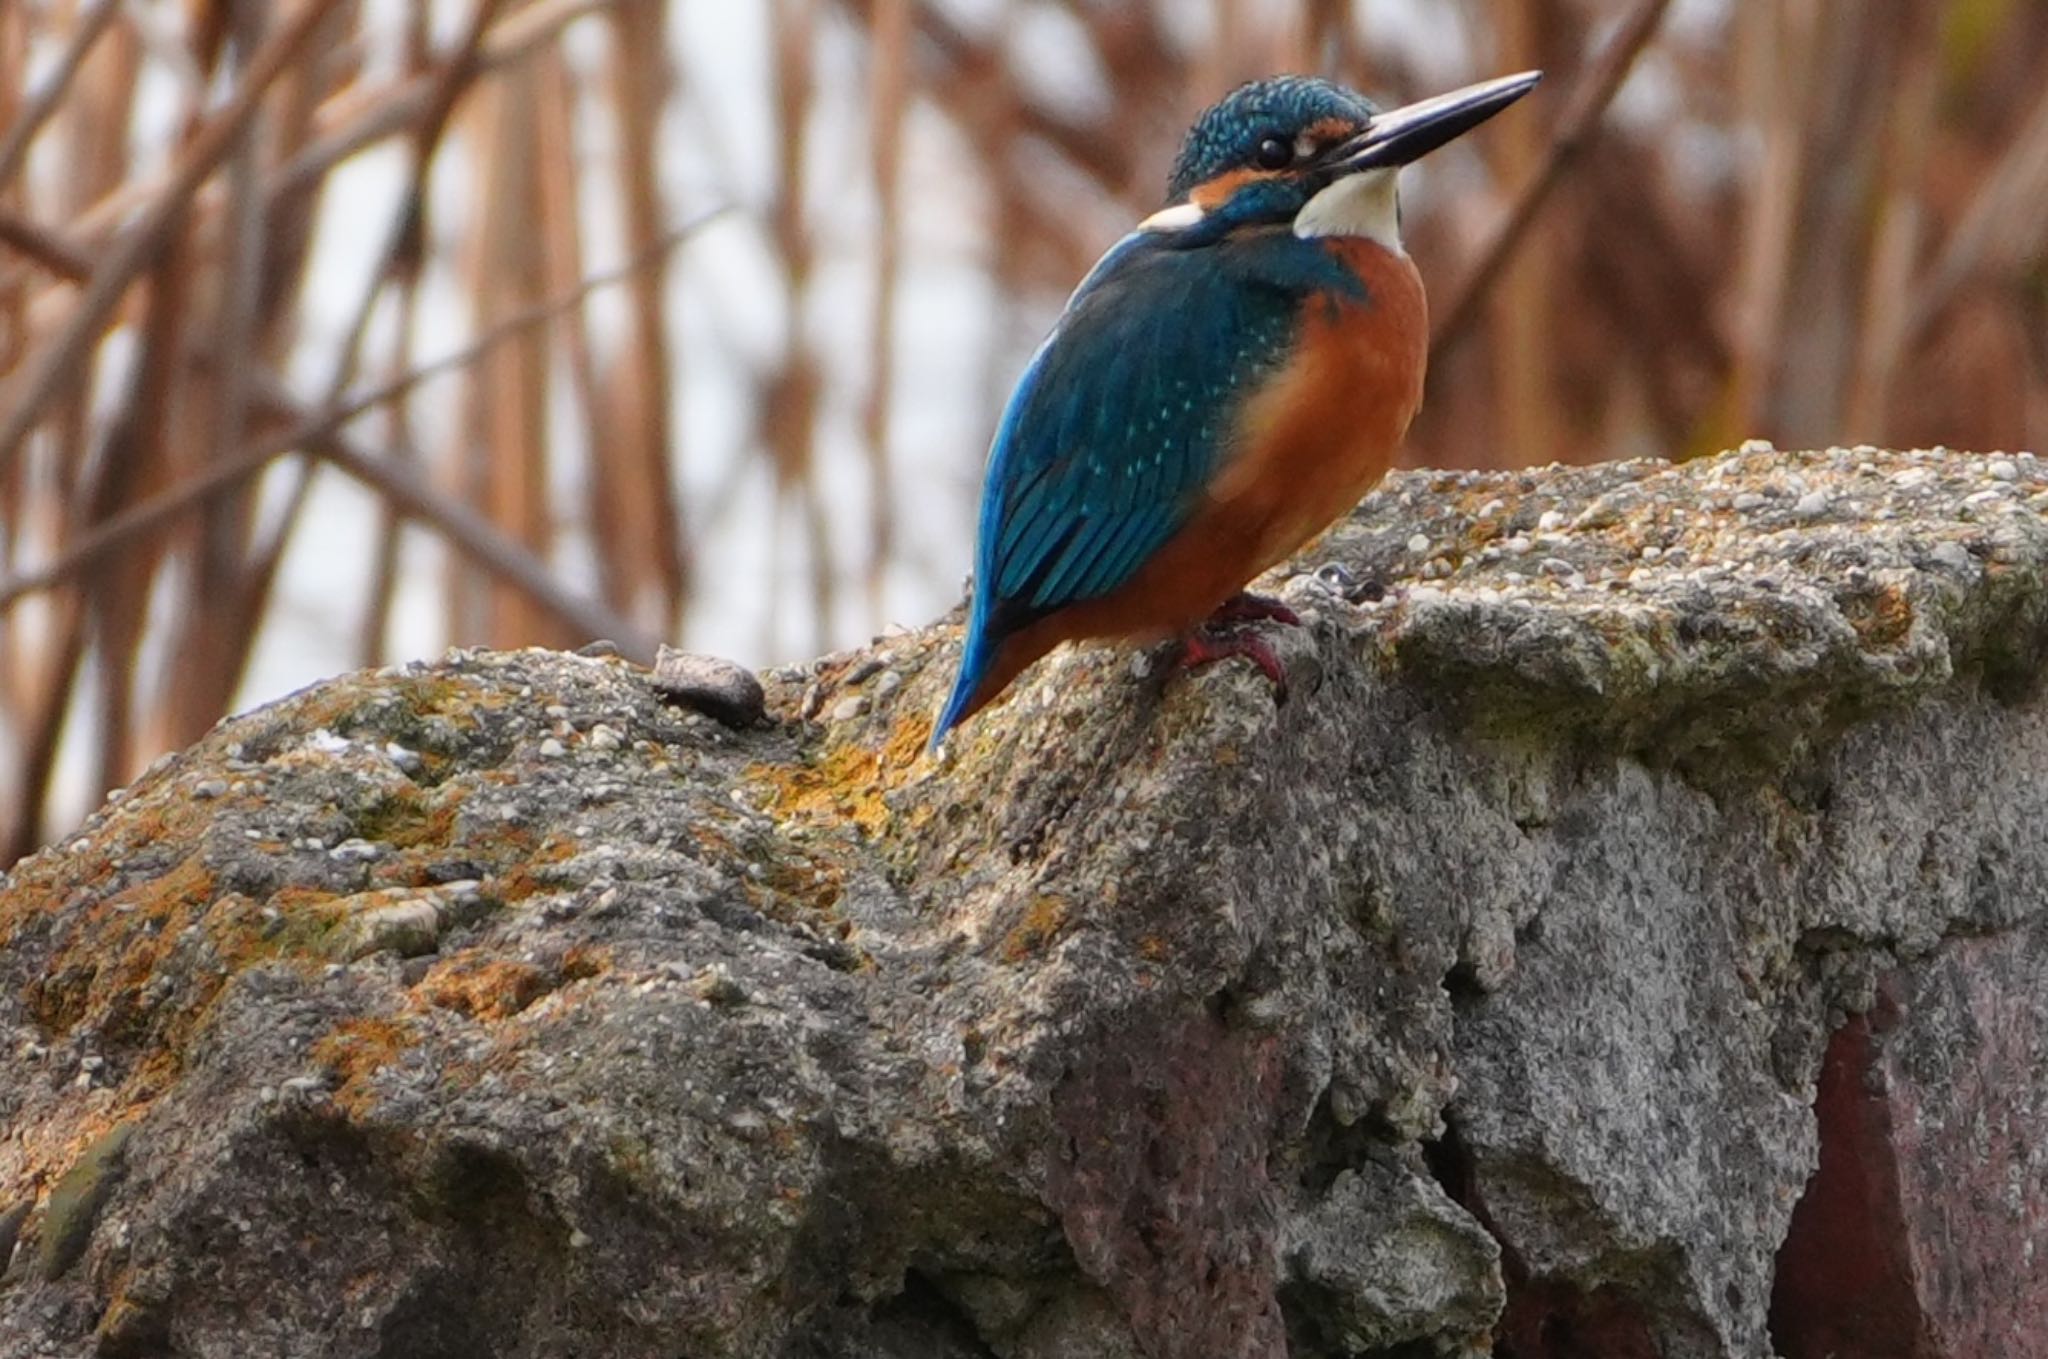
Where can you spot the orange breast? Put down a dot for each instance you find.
(1313, 441)
(1316, 439)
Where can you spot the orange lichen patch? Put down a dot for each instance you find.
(424, 830)
(51, 1146)
(586, 961)
(522, 878)
(1881, 617)
(814, 884)
(357, 1050)
(45, 882)
(115, 945)
(1043, 920)
(846, 782)
(156, 1073)
(483, 988)
(142, 968)
(345, 706)
(716, 845)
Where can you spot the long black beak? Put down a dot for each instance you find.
(1401, 135)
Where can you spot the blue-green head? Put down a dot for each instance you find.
(1300, 150)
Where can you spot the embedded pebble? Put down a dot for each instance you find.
(723, 690)
(604, 737)
(208, 789)
(1953, 555)
(409, 927)
(715, 985)
(1748, 502)
(2002, 469)
(849, 707)
(1550, 521)
(886, 683)
(1418, 543)
(553, 749)
(1812, 505)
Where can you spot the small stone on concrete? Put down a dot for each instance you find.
(723, 690)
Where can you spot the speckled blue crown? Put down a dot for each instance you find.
(1228, 133)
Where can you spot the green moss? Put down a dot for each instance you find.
(76, 1202)
(10, 1231)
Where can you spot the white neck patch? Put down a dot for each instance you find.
(1366, 204)
(1179, 217)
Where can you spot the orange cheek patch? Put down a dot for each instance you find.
(1208, 197)
(1329, 131)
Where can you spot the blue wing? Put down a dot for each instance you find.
(1121, 420)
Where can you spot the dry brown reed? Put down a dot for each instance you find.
(1804, 220)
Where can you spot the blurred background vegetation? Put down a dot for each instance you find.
(335, 331)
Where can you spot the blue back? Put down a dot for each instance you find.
(1125, 416)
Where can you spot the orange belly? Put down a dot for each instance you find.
(1309, 445)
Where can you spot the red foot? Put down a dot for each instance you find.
(1204, 647)
(1246, 607)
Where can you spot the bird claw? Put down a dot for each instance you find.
(1206, 646)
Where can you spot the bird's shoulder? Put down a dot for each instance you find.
(1155, 312)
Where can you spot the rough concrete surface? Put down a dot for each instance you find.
(1636, 841)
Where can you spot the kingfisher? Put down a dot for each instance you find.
(1228, 380)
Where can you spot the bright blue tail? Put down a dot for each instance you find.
(975, 659)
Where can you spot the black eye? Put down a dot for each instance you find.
(1274, 154)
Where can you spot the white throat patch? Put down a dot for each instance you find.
(1366, 204)
(1179, 217)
